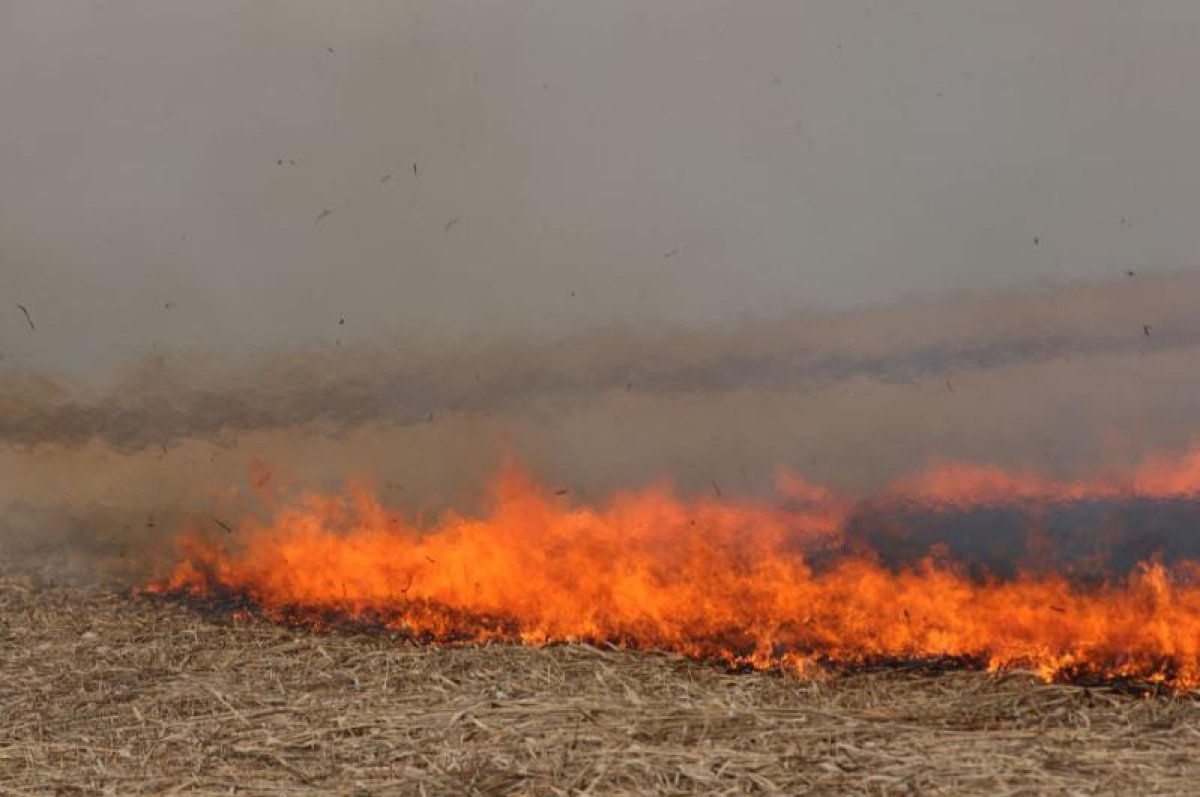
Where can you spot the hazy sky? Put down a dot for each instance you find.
(578, 163)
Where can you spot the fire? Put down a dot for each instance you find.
(747, 583)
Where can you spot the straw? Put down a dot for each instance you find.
(108, 693)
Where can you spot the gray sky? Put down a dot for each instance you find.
(791, 155)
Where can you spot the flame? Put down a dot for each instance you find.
(747, 583)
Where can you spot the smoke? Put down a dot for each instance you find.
(1064, 381)
(397, 240)
(168, 398)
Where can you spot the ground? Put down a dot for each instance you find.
(102, 692)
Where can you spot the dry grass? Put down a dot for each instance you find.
(101, 693)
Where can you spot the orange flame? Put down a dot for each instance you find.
(733, 581)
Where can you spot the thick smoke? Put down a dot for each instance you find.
(167, 399)
(398, 240)
(1066, 382)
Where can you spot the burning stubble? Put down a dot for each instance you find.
(1054, 511)
(352, 361)
(737, 582)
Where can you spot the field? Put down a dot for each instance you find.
(105, 693)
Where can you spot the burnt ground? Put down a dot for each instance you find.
(101, 692)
